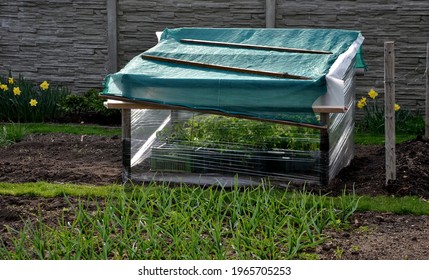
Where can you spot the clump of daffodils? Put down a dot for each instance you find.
(11, 86)
(372, 94)
(373, 114)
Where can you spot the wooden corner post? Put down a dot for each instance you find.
(126, 145)
(324, 150)
(389, 110)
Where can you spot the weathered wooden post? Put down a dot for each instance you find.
(324, 150)
(389, 110)
(112, 67)
(112, 36)
(427, 94)
(270, 13)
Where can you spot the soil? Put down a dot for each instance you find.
(84, 159)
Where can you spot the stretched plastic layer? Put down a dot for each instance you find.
(231, 92)
(204, 149)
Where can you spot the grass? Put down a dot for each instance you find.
(78, 129)
(365, 138)
(11, 133)
(43, 189)
(397, 205)
(160, 222)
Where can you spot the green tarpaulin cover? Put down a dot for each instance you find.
(232, 92)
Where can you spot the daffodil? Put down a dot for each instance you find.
(44, 85)
(373, 94)
(33, 102)
(16, 91)
(4, 87)
(397, 107)
(10, 80)
(360, 104)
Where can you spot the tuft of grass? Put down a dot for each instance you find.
(397, 205)
(28, 128)
(365, 138)
(44, 189)
(72, 129)
(160, 222)
(11, 133)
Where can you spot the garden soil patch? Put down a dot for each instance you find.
(63, 158)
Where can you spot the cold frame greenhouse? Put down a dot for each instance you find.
(217, 106)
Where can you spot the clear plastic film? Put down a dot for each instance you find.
(205, 149)
(341, 128)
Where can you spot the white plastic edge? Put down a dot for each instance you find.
(335, 85)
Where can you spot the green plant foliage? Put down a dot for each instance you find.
(159, 222)
(11, 133)
(88, 106)
(74, 104)
(222, 132)
(23, 101)
(406, 121)
(95, 104)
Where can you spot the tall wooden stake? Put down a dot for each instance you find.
(427, 94)
(270, 13)
(389, 110)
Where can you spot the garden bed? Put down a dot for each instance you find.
(97, 160)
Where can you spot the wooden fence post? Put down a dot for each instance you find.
(389, 110)
(112, 36)
(270, 13)
(427, 94)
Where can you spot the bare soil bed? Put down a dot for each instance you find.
(97, 160)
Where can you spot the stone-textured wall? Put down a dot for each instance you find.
(403, 21)
(138, 23)
(66, 40)
(63, 41)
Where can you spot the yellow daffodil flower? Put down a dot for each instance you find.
(44, 85)
(33, 102)
(397, 107)
(4, 87)
(360, 104)
(16, 91)
(373, 94)
(10, 80)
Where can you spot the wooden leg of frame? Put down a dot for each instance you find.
(324, 150)
(126, 145)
